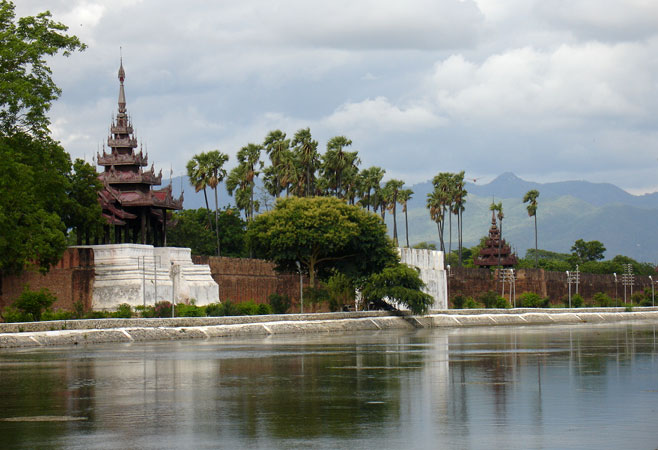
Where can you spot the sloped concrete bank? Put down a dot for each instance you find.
(77, 332)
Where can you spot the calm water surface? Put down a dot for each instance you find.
(532, 387)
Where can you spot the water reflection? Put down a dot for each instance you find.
(539, 387)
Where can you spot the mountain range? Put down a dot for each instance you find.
(567, 211)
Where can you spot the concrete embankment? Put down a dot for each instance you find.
(75, 332)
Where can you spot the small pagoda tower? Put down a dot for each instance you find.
(137, 212)
(489, 255)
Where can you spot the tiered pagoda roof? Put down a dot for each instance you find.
(489, 255)
(128, 198)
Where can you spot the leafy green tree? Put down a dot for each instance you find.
(585, 251)
(189, 228)
(322, 233)
(34, 303)
(531, 199)
(425, 246)
(83, 212)
(399, 283)
(26, 87)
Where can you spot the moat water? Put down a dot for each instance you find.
(532, 387)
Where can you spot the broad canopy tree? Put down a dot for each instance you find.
(35, 169)
(322, 233)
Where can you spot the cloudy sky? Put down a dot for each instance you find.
(548, 89)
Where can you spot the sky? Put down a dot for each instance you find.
(551, 90)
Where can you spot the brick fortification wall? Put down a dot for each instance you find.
(70, 280)
(473, 282)
(242, 280)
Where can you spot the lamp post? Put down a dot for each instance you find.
(301, 288)
(569, 283)
(448, 287)
(653, 303)
(616, 298)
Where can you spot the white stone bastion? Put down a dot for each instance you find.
(143, 275)
(432, 272)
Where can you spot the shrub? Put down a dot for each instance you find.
(264, 309)
(124, 311)
(249, 308)
(229, 309)
(532, 300)
(191, 310)
(577, 301)
(13, 315)
(340, 290)
(280, 303)
(470, 303)
(163, 309)
(98, 315)
(145, 311)
(458, 301)
(78, 309)
(502, 303)
(214, 310)
(33, 303)
(488, 299)
(57, 315)
(602, 299)
(638, 297)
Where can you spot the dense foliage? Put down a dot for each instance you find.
(322, 233)
(190, 228)
(399, 283)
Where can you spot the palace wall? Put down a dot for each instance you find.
(71, 280)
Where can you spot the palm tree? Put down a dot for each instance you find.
(276, 146)
(370, 180)
(306, 153)
(458, 204)
(404, 196)
(214, 164)
(531, 198)
(243, 176)
(437, 213)
(198, 177)
(393, 187)
(334, 162)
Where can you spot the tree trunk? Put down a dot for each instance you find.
(406, 226)
(205, 196)
(459, 235)
(449, 232)
(395, 224)
(536, 251)
(217, 222)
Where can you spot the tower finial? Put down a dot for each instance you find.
(122, 94)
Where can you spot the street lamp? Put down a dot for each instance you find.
(448, 287)
(301, 288)
(652, 293)
(569, 283)
(616, 298)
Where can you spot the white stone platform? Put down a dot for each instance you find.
(143, 275)
(432, 272)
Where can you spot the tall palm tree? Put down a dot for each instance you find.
(370, 180)
(334, 163)
(439, 201)
(458, 208)
(198, 177)
(243, 176)
(276, 146)
(531, 198)
(306, 153)
(393, 187)
(214, 165)
(403, 197)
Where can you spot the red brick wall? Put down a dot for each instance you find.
(242, 279)
(473, 282)
(70, 280)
